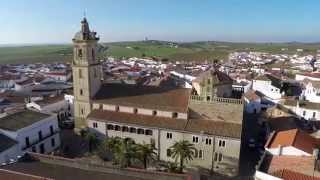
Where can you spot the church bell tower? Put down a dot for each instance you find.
(86, 72)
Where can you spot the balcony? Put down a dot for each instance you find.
(196, 98)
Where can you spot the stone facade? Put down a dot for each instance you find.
(86, 72)
(211, 123)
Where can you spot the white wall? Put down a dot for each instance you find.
(259, 175)
(32, 132)
(305, 113)
(300, 77)
(310, 93)
(267, 89)
(291, 151)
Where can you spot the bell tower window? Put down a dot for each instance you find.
(93, 55)
(79, 52)
(80, 73)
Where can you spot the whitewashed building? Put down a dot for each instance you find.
(268, 85)
(311, 91)
(31, 131)
(304, 109)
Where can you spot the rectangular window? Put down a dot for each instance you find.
(95, 125)
(220, 157)
(79, 52)
(53, 142)
(169, 135)
(304, 113)
(314, 114)
(222, 143)
(168, 152)
(208, 141)
(40, 135)
(27, 141)
(51, 130)
(195, 139)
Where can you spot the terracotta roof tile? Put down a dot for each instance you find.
(299, 164)
(296, 138)
(144, 97)
(286, 174)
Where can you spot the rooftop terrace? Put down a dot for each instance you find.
(21, 119)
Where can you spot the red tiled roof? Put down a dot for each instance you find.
(294, 137)
(168, 99)
(299, 164)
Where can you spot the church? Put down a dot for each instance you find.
(206, 116)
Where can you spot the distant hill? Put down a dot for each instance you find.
(189, 51)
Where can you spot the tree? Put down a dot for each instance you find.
(146, 153)
(127, 151)
(183, 151)
(112, 144)
(92, 140)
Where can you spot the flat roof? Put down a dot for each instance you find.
(19, 120)
(6, 143)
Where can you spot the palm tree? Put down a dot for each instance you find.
(146, 153)
(126, 152)
(92, 139)
(183, 151)
(112, 144)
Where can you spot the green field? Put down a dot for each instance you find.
(195, 51)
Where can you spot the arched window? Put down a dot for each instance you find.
(133, 130)
(125, 129)
(148, 132)
(110, 127)
(135, 110)
(117, 128)
(93, 55)
(140, 131)
(117, 108)
(79, 52)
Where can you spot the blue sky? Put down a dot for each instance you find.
(55, 21)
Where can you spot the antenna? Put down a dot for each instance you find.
(85, 13)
